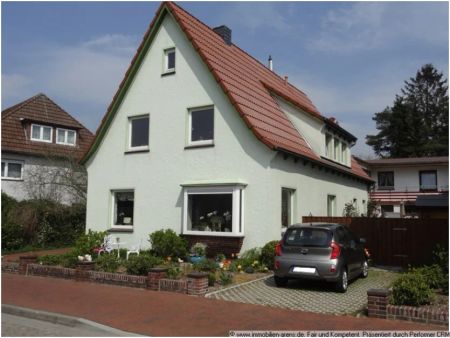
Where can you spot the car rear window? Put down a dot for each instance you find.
(308, 237)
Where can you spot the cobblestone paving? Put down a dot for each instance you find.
(310, 296)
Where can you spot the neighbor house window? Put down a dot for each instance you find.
(123, 209)
(201, 126)
(287, 206)
(385, 180)
(12, 170)
(428, 180)
(41, 133)
(213, 211)
(169, 60)
(331, 205)
(66, 136)
(139, 132)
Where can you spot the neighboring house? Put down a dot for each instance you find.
(41, 145)
(204, 139)
(410, 187)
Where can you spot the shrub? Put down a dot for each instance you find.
(440, 257)
(51, 259)
(249, 269)
(174, 272)
(86, 243)
(199, 249)
(411, 289)
(12, 236)
(225, 277)
(434, 276)
(211, 278)
(205, 265)
(268, 254)
(220, 257)
(70, 259)
(166, 243)
(140, 265)
(107, 263)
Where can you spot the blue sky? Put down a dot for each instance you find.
(351, 58)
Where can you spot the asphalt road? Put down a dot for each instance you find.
(18, 326)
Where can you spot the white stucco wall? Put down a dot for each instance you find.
(35, 169)
(406, 178)
(236, 156)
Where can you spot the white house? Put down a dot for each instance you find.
(204, 139)
(410, 186)
(41, 144)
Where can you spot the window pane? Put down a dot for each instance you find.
(139, 132)
(36, 132)
(336, 149)
(47, 133)
(286, 207)
(61, 136)
(386, 179)
(70, 137)
(308, 237)
(123, 209)
(14, 170)
(210, 212)
(171, 60)
(3, 169)
(202, 125)
(428, 180)
(331, 205)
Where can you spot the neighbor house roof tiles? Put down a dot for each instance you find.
(249, 86)
(40, 109)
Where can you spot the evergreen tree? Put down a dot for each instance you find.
(417, 123)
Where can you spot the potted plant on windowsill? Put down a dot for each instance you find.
(198, 252)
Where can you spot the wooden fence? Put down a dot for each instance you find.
(396, 241)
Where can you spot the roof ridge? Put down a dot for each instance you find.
(236, 46)
(21, 104)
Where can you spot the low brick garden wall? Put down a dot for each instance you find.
(194, 284)
(378, 306)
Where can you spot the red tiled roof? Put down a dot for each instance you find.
(249, 86)
(40, 109)
(443, 160)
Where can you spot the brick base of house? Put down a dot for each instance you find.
(378, 306)
(217, 244)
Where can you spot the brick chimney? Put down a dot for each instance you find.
(225, 33)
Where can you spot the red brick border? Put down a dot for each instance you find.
(378, 306)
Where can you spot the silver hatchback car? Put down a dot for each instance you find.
(329, 252)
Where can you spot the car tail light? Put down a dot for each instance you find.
(367, 253)
(335, 250)
(278, 249)
(277, 265)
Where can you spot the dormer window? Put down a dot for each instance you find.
(66, 136)
(336, 149)
(169, 60)
(41, 133)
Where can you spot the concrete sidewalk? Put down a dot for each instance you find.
(169, 314)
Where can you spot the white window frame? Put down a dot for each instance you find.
(130, 131)
(166, 69)
(113, 206)
(41, 133)
(66, 133)
(189, 127)
(291, 204)
(333, 205)
(237, 193)
(6, 170)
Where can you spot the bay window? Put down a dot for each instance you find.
(213, 210)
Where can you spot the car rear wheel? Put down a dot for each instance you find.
(342, 283)
(365, 269)
(280, 281)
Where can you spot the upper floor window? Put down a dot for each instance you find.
(12, 170)
(169, 60)
(41, 133)
(329, 146)
(385, 180)
(336, 149)
(201, 126)
(428, 180)
(66, 136)
(139, 132)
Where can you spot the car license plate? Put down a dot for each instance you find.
(304, 270)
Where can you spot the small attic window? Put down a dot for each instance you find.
(169, 60)
(41, 133)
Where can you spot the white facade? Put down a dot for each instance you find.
(37, 180)
(163, 176)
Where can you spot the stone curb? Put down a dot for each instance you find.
(237, 285)
(60, 319)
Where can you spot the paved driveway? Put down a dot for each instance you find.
(308, 295)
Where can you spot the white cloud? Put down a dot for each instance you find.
(369, 25)
(89, 72)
